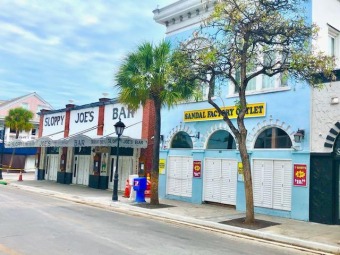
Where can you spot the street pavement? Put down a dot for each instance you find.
(321, 237)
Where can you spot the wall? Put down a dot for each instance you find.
(325, 116)
(324, 13)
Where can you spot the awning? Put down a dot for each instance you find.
(79, 141)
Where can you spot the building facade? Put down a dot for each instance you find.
(199, 157)
(78, 144)
(24, 158)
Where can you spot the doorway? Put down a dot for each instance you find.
(125, 168)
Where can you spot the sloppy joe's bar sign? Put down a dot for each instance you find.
(253, 110)
(84, 119)
(53, 125)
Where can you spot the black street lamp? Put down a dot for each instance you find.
(119, 127)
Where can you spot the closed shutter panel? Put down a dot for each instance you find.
(212, 180)
(186, 178)
(262, 183)
(171, 176)
(179, 181)
(209, 179)
(228, 183)
(282, 185)
(178, 177)
(268, 184)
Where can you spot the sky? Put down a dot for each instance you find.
(69, 50)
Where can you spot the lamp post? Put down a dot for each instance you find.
(119, 127)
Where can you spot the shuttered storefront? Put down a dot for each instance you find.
(53, 161)
(272, 183)
(220, 180)
(179, 176)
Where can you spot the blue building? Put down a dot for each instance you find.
(199, 160)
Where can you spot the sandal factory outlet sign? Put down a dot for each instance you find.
(253, 110)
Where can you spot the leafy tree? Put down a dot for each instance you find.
(144, 75)
(247, 39)
(18, 119)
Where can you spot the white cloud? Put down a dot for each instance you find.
(70, 48)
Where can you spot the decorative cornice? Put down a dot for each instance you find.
(183, 14)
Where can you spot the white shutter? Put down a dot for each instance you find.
(282, 185)
(228, 182)
(186, 178)
(208, 179)
(171, 184)
(179, 176)
(262, 182)
(212, 180)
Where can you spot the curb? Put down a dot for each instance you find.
(129, 208)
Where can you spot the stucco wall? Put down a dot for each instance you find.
(325, 115)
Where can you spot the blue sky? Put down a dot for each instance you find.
(70, 49)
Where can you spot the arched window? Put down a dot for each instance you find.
(273, 138)
(221, 139)
(181, 140)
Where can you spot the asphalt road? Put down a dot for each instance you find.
(35, 224)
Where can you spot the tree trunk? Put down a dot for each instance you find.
(248, 184)
(155, 155)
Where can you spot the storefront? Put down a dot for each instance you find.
(78, 144)
(202, 163)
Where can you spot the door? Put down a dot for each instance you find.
(82, 169)
(179, 176)
(212, 180)
(124, 170)
(220, 180)
(75, 170)
(52, 167)
(228, 181)
(337, 167)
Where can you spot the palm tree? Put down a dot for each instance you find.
(144, 75)
(18, 119)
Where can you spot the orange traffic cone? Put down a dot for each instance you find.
(148, 187)
(127, 189)
(20, 177)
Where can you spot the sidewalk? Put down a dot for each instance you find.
(314, 236)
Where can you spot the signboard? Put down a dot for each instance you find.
(161, 166)
(54, 125)
(79, 141)
(253, 110)
(300, 175)
(132, 120)
(197, 169)
(240, 176)
(84, 121)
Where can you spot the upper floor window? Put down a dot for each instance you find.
(34, 131)
(181, 140)
(333, 42)
(273, 138)
(25, 106)
(222, 140)
(262, 82)
(194, 47)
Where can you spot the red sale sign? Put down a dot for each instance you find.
(300, 175)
